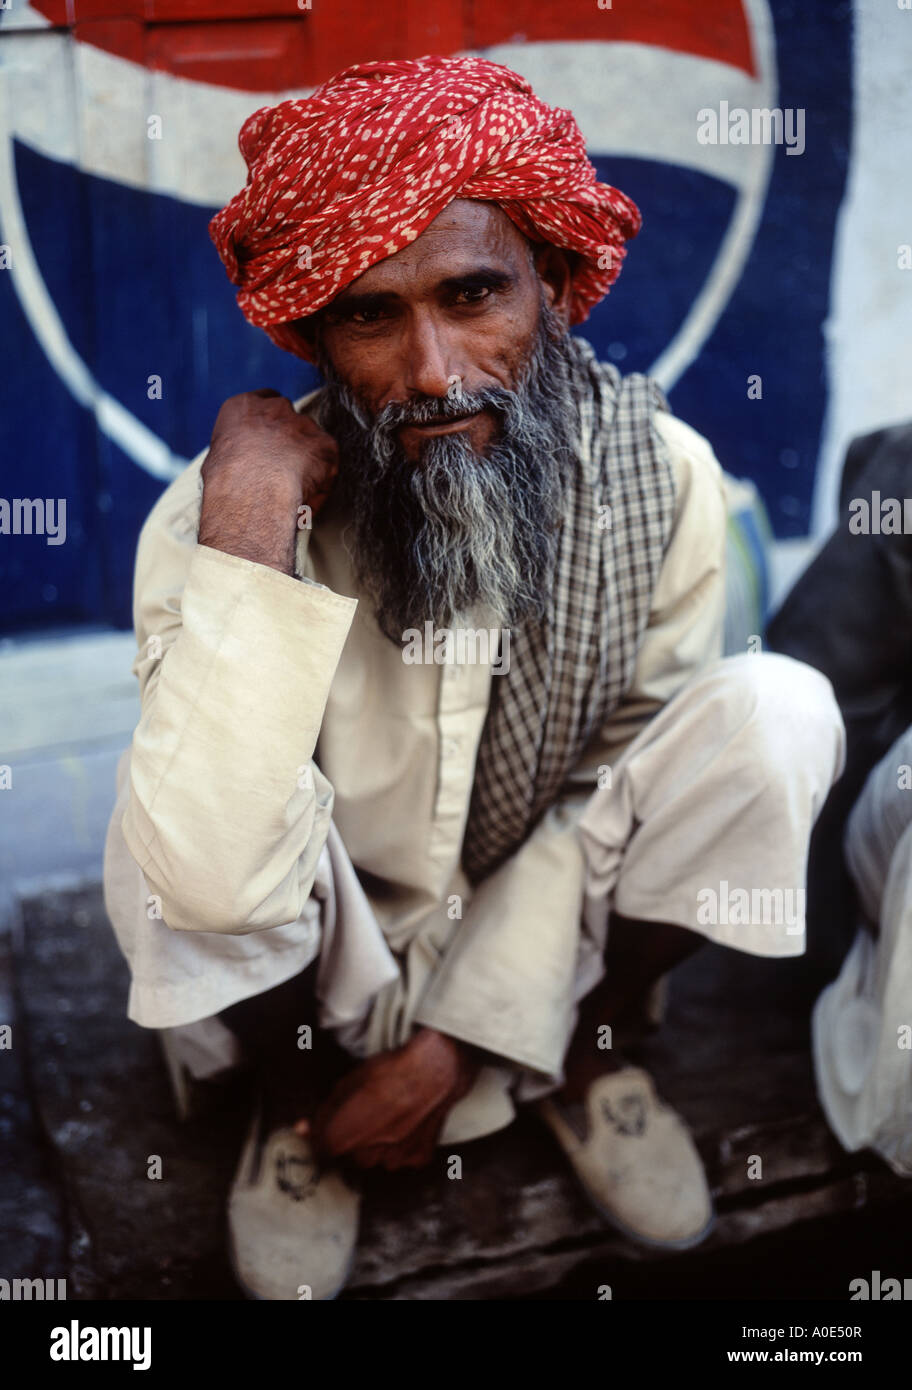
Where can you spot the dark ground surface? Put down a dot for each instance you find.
(85, 1103)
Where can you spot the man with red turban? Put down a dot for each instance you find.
(440, 769)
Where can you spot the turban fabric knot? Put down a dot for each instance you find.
(348, 176)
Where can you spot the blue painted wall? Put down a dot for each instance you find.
(140, 291)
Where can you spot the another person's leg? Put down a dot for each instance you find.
(862, 1023)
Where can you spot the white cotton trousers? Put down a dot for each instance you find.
(705, 825)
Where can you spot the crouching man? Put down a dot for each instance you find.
(438, 760)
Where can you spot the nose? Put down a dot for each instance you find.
(430, 365)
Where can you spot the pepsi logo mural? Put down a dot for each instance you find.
(118, 141)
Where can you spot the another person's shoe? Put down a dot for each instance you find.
(292, 1222)
(635, 1159)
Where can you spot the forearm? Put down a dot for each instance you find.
(226, 815)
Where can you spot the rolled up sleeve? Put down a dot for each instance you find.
(227, 813)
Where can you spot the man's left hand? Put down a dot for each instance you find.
(389, 1110)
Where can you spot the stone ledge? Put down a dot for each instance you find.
(95, 1104)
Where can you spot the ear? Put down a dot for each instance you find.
(552, 265)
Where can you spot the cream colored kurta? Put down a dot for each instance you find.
(284, 740)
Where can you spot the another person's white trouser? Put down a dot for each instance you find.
(862, 1025)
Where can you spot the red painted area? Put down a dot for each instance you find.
(271, 45)
(125, 37)
(707, 28)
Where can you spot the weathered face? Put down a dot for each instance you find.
(454, 496)
(463, 300)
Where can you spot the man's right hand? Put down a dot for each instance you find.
(264, 462)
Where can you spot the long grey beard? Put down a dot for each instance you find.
(433, 539)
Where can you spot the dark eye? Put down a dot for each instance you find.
(475, 294)
(366, 316)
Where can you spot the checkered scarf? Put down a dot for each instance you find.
(568, 673)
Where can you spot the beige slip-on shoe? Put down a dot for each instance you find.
(292, 1223)
(635, 1159)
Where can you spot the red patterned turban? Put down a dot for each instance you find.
(340, 180)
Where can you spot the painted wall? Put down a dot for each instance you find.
(118, 141)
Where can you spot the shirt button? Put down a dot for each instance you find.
(451, 747)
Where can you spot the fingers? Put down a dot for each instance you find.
(319, 495)
(392, 1157)
(318, 502)
(354, 1128)
(370, 1157)
(346, 1086)
(418, 1150)
(386, 1111)
(332, 1127)
(414, 1154)
(413, 1150)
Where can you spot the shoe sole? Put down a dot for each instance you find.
(255, 1297)
(650, 1242)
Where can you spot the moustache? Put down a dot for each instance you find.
(434, 410)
